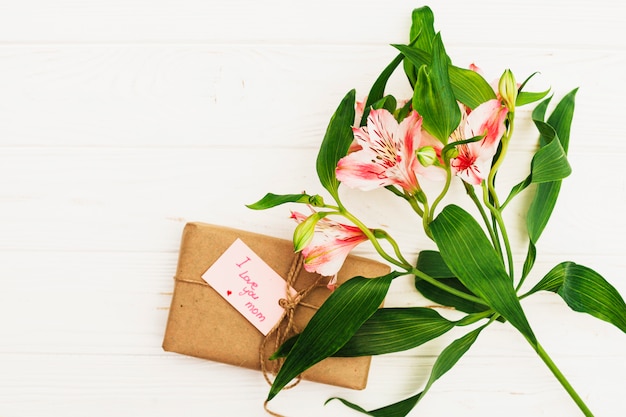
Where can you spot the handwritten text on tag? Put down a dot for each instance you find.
(250, 285)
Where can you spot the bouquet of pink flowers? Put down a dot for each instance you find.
(455, 127)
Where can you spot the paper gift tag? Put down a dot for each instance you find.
(251, 286)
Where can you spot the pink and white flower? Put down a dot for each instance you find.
(387, 153)
(474, 159)
(331, 243)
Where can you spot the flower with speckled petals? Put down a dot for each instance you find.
(474, 159)
(387, 153)
(331, 243)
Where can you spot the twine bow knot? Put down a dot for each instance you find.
(286, 326)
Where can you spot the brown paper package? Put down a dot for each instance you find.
(202, 324)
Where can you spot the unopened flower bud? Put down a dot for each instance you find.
(451, 153)
(426, 156)
(303, 234)
(316, 200)
(507, 87)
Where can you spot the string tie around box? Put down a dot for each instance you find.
(285, 327)
(282, 332)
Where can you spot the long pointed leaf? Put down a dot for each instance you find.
(469, 255)
(585, 291)
(527, 97)
(422, 33)
(394, 330)
(378, 88)
(388, 330)
(423, 28)
(432, 264)
(546, 194)
(272, 200)
(549, 164)
(336, 142)
(433, 96)
(446, 360)
(469, 87)
(550, 161)
(333, 325)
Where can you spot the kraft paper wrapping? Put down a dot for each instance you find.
(202, 324)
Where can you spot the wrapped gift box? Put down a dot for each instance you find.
(203, 324)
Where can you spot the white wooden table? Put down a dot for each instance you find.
(122, 120)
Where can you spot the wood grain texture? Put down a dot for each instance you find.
(122, 120)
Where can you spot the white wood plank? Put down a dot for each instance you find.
(122, 120)
(135, 199)
(116, 303)
(269, 95)
(169, 385)
(484, 22)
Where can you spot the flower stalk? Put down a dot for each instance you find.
(455, 127)
(562, 380)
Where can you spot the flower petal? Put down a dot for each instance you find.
(488, 118)
(332, 241)
(387, 154)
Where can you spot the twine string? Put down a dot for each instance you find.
(286, 324)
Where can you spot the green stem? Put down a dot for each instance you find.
(394, 190)
(444, 191)
(473, 318)
(373, 239)
(445, 287)
(415, 205)
(500, 221)
(494, 238)
(426, 221)
(564, 382)
(396, 248)
(491, 183)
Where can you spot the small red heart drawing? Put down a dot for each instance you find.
(229, 292)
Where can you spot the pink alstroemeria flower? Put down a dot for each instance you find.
(330, 245)
(474, 160)
(387, 154)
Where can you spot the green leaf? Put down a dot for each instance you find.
(272, 200)
(562, 117)
(529, 262)
(586, 291)
(432, 264)
(423, 28)
(558, 124)
(388, 330)
(469, 87)
(336, 142)
(450, 356)
(341, 315)
(433, 97)
(422, 34)
(403, 112)
(378, 89)
(527, 97)
(549, 164)
(468, 253)
(550, 161)
(541, 208)
(446, 360)
(388, 103)
(394, 330)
